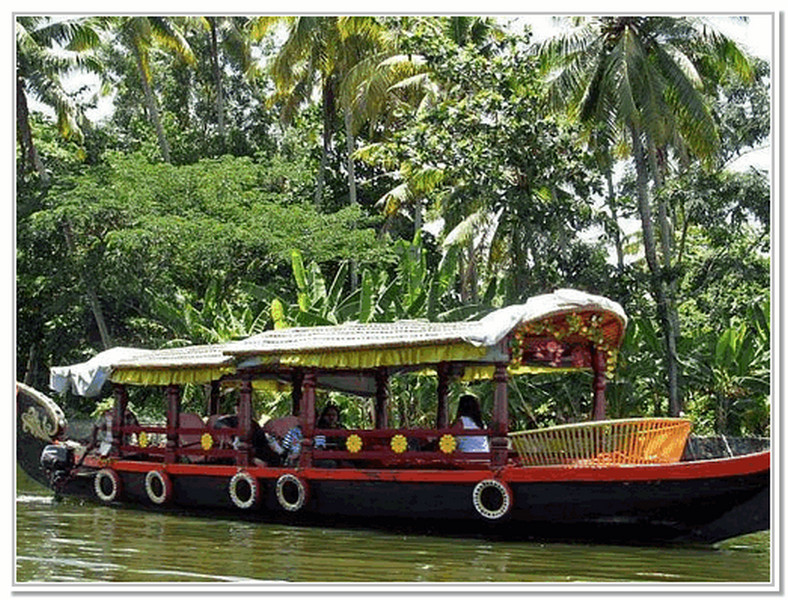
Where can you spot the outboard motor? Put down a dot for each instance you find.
(57, 460)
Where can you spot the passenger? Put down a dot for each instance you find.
(329, 419)
(101, 435)
(291, 444)
(469, 416)
(263, 456)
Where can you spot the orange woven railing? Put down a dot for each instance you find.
(598, 443)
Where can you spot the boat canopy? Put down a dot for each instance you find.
(549, 332)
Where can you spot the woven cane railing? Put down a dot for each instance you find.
(601, 443)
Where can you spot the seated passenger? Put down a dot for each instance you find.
(469, 416)
(283, 437)
(263, 456)
(101, 435)
(329, 419)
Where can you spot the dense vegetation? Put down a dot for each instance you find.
(266, 171)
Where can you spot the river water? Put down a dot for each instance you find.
(76, 542)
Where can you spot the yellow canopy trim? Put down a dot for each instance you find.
(169, 376)
(385, 357)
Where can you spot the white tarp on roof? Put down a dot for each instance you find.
(492, 328)
(87, 378)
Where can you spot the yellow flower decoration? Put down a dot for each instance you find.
(448, 443)
(206, 441)
(353, 443)
(143, 440)
(399, 443)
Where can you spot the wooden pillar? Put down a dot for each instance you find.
(173, 422)
(307, 418)
(243, 457)
(297, 394)
(599, 366)
(442, 418)
(499, 444)
(214, 398)
(118, 416)
(381, 398)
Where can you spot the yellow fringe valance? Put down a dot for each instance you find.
(169, 376)
(383, 357)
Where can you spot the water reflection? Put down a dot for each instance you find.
(72, 541)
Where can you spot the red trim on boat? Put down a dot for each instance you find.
(702, 469)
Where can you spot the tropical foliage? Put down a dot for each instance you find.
(261, 172)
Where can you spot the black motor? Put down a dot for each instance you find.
(57, 460)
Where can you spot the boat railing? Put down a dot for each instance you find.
(398, 447)
(604, 443)
(384, 447)
(193, 442)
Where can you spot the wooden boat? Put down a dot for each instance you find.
(625, 480)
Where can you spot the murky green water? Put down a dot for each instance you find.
(81, 542)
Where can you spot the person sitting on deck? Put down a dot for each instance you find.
(469, 416)
(101, 435)
(283, 436)
(329, 419)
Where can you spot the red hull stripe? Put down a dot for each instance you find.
(702, 469)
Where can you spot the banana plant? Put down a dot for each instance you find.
(411, 292)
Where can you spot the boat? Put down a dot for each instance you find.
(629, 480)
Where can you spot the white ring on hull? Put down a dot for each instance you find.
(492, 512)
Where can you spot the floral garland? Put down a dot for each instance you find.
(559, 329)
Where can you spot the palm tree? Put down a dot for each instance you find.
(142, 35)
(228, 40)
(645, 76)
(46, 51)
(320, 52)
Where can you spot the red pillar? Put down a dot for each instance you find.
(244, 423)
(118, 414)
(599, 366)
(499, 444)
(307, 418)
(173, 423)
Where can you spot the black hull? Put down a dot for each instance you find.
(622, 512)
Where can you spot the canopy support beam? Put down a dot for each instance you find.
(244, 422)
(173, 422)
(307, 417)
(118, 416)
(297, 382)
(500, 425)
(381, 398)
(599, 366)
(442, 418)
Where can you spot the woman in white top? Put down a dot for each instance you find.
(469, 416)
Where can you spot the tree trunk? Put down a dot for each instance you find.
(150, 102)
(217, 76)
(328, 103)
(611, 202)
(93, 299)
(658, 284)
(25, 134)
(351, 180)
